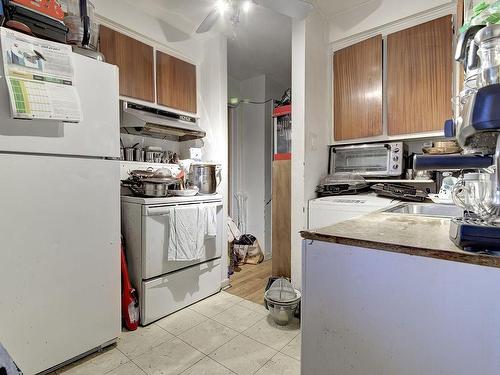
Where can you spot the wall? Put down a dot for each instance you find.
(209, 53)
(131, 18)
(252, 154)
(311, 129)
(252, 150)
(372, 14)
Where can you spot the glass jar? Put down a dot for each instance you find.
(489, 54)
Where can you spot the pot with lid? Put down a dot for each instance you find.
(206, 177)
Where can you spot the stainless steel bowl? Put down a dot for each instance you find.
(282, 314)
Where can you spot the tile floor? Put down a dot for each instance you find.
(221, 335)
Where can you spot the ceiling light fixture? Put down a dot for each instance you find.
(222, 6)
(296, 9)
(246, 6)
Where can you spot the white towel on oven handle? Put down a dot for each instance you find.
(211, 219)
(187, 233)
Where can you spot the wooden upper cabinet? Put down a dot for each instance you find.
(357, 98)
(135, 60)
(175, 83)
(419, 77)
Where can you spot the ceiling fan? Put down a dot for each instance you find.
(297, 9)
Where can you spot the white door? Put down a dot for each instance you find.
(98, 133)
(59, 257)
(156, 229)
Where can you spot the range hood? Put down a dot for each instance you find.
(152, 122)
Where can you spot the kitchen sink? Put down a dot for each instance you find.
(426, 209)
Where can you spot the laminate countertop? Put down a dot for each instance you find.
(400, 233)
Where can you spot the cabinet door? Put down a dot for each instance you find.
(135, 60)
(175, 83)
(357, 101)
(419, 77)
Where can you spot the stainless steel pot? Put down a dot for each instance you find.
(139, 154)
(150, 156)
(206, 177)
(129, 153)
(152, 187)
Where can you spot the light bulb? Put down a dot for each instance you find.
(246, 6)
(222, 6)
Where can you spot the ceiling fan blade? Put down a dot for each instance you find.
(297, 9)
(209, 21)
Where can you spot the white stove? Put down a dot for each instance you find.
(171, 200)
(164, 285)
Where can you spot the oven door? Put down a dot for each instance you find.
(155, 231)
(365, 160)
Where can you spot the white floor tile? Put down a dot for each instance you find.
(238, 318)
(215, 304)
(129, 368)
(181, 321)
(293, 348)
(207, 366)
(169, 358)
(280, 364)
(243, 355)
(208, 336)
(269, 333)
(253, 306)
(96, 364)
(138, 342)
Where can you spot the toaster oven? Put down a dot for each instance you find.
(369, 160)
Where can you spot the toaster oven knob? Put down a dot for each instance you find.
(395, 158)
(395, 166)
(396, 149)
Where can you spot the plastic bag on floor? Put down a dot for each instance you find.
(247, 250)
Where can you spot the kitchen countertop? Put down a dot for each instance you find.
(400, 233)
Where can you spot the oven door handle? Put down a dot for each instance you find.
(166, 210)
(361, 147)
(158, 211)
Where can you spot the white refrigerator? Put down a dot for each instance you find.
(60, 226)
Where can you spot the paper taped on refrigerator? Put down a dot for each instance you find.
(40, 78)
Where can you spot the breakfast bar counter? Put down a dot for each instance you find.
(389, 293)
(400, 233)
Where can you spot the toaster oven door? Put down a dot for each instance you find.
(366, 160)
